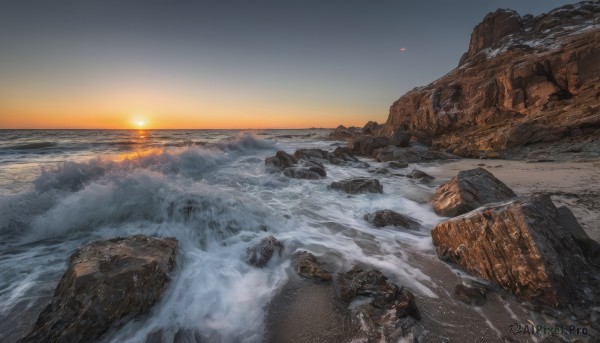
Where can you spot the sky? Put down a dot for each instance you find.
(226, 64)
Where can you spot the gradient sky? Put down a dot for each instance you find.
(225, 64)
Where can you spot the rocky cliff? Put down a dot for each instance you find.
(523, 80)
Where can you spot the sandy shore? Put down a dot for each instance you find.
(573, 184)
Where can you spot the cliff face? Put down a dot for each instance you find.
(523, 80)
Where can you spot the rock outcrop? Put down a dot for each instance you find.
(365, 145)
(385, 218)
(358, 185)
(523, 80)
(522, 245)
(287, 163)
(281, 161)
(469, 190)
(260, 254)
(106, 282)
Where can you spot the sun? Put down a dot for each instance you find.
(140, 123)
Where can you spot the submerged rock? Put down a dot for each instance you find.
(358, 185)
(469, 190)
(260, 254)
(397, 164)
(390, 218)
(304, 173)
(421, 176)
(106, 283)
(308, 267)
(522, 245)
(470, 295)
(281, 160)
(392, 312)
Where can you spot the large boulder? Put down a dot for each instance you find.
(106, 283)
(260, 254)
(281, 160)
(365, 145)
(385, 218)
(358, 185)
(469, 190)
(311, 154)
(521, 245)
(370, 128)
(390, 315)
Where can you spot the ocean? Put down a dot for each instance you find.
(62, 188)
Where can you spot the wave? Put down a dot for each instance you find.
(31, 146)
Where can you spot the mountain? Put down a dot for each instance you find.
(524, 80)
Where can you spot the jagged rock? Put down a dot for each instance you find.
(470, 295)
(391, 314)
(304, 173)
(469, 190)
(358, 185)
(589, 247)
(106, 283)
(521, 82)
(365, 145)
(281, 160)
(385, 218)
(260, 254)
(308, 267)
(400, 138)
(343, 133)
(421, 176)
(521, 245)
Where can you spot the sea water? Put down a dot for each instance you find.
(210, 189)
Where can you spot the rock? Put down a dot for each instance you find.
(589, 247)
(397, 164)
(522, 81)
(365, 145)
(470, 295)
(521, 245)
(385, 218)
(358, 185)
(400, 138)
(342, 133)
(421, 176)
(316, 167)
(304, 173)
(469, 190)
(281, 160)
(413, 154)
(391, 314)
(260, 254)
(370, 128)
(106, 283)
(311, 154)
(308, 267)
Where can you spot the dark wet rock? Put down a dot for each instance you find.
(400, 138)
(412, 154)
(521, 245)
(589, 247)
(316, 167)
(470, 295)
(420, 176)
(281, 160)
(343, 133)
(392, 313)
(382, 171)
(365, 145)
(385, 218)
(106, 283)
(469, 190)
(358, 185)
(308, 267)
(260, 254)
(397, 165)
